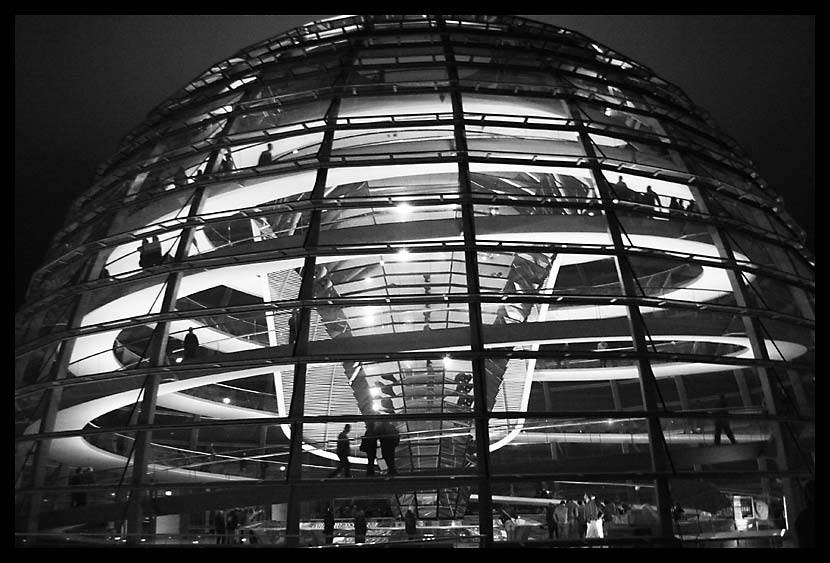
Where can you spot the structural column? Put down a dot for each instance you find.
(648, 383)
(480, 393)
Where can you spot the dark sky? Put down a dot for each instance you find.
(82, 82)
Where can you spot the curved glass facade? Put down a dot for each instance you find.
(538, 264)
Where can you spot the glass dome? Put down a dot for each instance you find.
(538, 271)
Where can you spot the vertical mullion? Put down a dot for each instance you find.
(474, 294)
(158, 354)
(754, 331)
(648, 383)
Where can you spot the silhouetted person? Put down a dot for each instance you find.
(805, 523)
(360, 527)
(389, 440)
(152, 253)
(343, 449)
(691, 207)
(143, 254)
(328, 525)
(410, 524)
(675, 204)
(227, 162)
(292, 326)
(622, 191)
(550, 521)
(651, 197)
(231, 524)
(721, 423)
(265, 157)
(180, 178)
(369, 445)
(219, 526)
(191, 345)
(560, 514)
(677, 513)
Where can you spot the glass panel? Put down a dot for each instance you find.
(409, 327)
(271, 226)
(274, 189)
(636, 152)
(439, 448)
(35, 366)
(675, 236)
(391, 275)
(440, 517)
(774, 295)
(53, 319)
(547, 274)
(400, 142)
(668, 278)
(496, 78)
(507, 142)
(414, 77)
(534, 111)
(274, 151)
(543, 446)
(542, 324)
(390, 223)
(744, 512)
(529, 182)
(266, 113)
(552, 510)
(617, 119)
(393, 180)
(402, 107)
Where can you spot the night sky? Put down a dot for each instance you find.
(82, 82)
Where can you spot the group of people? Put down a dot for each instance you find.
(226, 524)
(579, 519)
(384, 432)
(650, 197)
(361, 527)
(150, 253)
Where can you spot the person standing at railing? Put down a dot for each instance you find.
(343, 450)
(266, 156)
(560, 515)
(389, 440)
(227, 162)
(550, 521)
(410, 524)
(328, 525)
(369, 445)
(360, 527)
(219, 526)
(722, 423)
(191, 345)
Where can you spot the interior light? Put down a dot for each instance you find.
(178, 360)
(282, 468)
(168, 493)
(226, 400)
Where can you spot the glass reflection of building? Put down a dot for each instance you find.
(539, 262)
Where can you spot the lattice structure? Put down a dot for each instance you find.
(518, 246)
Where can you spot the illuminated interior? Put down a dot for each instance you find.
(505, 239)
